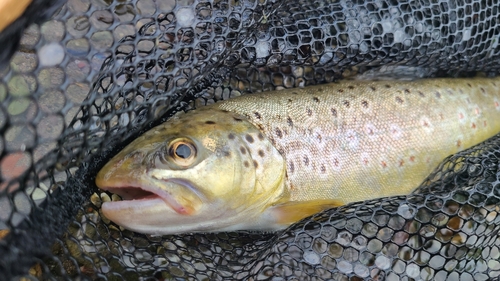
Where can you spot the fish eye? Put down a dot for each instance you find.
(182, 152)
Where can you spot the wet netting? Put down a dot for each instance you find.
(81, 79)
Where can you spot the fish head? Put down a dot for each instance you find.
(207, 170)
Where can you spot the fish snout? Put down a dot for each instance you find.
(118, 172)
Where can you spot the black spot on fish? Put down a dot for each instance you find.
(231, 136)
(290, 100)
(260, 136)
(261, 153)
(261, 127)
(340, 90)
(323, 168)
(421, 94)
(373, 88)
(292, 166)
(289, 120)
(255, 164)
(316, 99)
(346, 103)
(309, 112)
(243, 150)
(364, 103)
(438, 95)
(321, 89)
(387, 86)
(319, 138)
(226, 153)
(468, 84)
(237, 119)
(278, 133)
(407, 91)
(257, 115)
(306, 160)
(295, 93)
(483, 90)
(210, 122)
(281, 150)
(399, 100)
(350, 87)
(246, 164)
(334, 112)
(225, 111)
(249, 138)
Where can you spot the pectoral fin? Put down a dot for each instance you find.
(290, 212)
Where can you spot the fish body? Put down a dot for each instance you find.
(264, 161)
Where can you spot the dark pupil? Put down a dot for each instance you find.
(183, 151)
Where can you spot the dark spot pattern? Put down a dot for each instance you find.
(279, 134)
(407, 91)
(226, 153)
(237, 119)
(346, 103)
(306, 160)
(316, 99)
(289, 120)
(438, 95)
(243, 150)
(290, 100)
(373, 88)
(399, 100)
(334, 112)
(249, 138)
(323, 168)
(387, 86)
(340, 90)
(292, 166)
(257, 115)
(255, 164)
(421, 94)
(231, 136)
(246, 164)
(260, 136)
(261, 153)
(309, 112)
(209, 122)
(483, 90)
(364, 104)
(350, 87)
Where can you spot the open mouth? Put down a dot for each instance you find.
(132, 193)
(160, 190)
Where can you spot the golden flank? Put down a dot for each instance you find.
(264, 161)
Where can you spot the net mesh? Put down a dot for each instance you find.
(91, 75)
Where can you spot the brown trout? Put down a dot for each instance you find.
(264, 161)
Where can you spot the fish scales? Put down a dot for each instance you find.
(264, 161)
(353, 140)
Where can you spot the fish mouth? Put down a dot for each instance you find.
(138, 194)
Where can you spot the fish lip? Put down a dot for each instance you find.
(151, 191)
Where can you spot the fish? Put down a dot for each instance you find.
(264, 161)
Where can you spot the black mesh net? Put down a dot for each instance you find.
(89, 76)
